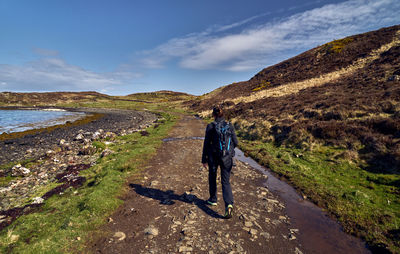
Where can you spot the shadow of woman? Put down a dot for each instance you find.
(169, 197)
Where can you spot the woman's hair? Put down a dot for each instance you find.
(217, 111)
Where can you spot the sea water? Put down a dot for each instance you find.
(22, 120)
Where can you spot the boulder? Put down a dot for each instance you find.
(87, 150)
(19, 170)
(110, 134)
(38, 200)
(106, 152)
(151, 230)
(49, 153)
(79, 137)
(96, 135)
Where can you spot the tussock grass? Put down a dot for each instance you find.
(64, 222)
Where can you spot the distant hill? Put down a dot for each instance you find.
(161, 96)
(69, 98)
(47, 99)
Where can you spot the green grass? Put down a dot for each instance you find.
(367, 204)
(5, 180)
(66, 221)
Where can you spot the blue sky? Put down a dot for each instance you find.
(121, 47)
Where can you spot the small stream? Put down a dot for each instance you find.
(318, 232)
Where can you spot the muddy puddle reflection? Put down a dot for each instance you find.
(318, 232)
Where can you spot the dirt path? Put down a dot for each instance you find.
(164, 211)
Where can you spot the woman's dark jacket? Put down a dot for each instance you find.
(211, 141)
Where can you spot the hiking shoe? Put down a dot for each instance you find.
(229, 212)
(212, 203)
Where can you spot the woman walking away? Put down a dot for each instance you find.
(218, 150)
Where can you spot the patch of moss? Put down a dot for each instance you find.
(5, 180)
(100, 146)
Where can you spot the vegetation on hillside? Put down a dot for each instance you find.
(336, 46)
(337, 141)
(308, 65)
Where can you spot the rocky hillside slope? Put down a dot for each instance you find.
(328, 120)
(346, 93)
(319, 66)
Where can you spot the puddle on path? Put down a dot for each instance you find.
(318, 232)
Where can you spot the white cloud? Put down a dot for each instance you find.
(54, 74)
(257, 47)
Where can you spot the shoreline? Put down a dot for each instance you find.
(51, 151)
(15, 144)
(21, 129)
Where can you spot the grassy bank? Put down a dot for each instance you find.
(64, 222)
(367, 204)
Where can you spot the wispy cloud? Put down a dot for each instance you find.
(45, 52)
(54, 74)
(268, 43)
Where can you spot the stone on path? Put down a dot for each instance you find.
(151, 230)
(120, 235)
(297, 251)
(253, 231)
(185, 249)
(19, 170)
(248, 224)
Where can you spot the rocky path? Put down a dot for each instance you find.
(164, 210)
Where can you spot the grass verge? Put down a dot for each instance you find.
(64, 222)
(367, 204)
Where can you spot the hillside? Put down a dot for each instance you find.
(49, 98)
(160, 96)
(90, 99)
(325, 63)
(328, 120)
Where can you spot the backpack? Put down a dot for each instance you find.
(225, 146)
